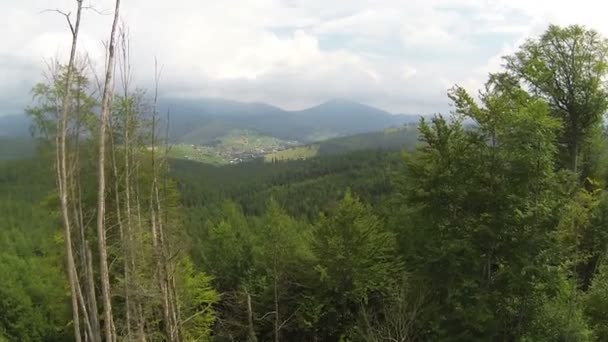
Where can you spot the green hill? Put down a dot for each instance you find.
(394, 138)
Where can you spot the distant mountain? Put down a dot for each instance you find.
(203, 120)
(14, 126)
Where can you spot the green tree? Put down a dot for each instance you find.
(596, 304)
(196, 297)
(357, 265)
(481, 205)
(228, 249)
(282, 255)
(566, 66)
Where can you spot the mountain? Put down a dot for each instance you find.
(203, 120)
(14, 126)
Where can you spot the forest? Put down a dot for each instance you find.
(493, 228)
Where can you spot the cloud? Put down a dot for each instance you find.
(399, 55)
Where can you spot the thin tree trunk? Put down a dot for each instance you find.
(91, 293)
(573, 151)
(62, 174)
(110, 335)
(83, 307)
(126, 227)
(276, 310)
(251, 335)
(88, 297)
(121, 231)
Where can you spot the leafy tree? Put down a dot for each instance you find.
(566, 66)
(281, 254)
(356, 264)
(196, 299)
(560, 317)
(228, 249)
(596, 304)
(481, 205)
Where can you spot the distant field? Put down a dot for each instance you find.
(201, 154)
(234, 147)
(294, 153)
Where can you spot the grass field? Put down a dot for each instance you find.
(294, 153)
(203, 154)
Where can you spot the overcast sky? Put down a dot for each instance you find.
(400, 55)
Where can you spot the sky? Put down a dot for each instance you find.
(399, 55)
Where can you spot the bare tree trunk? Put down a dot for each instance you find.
(121, 229)
(110, 335)
(91, 293)
(126, 228)
(276, 309)
(140, 311)
(89, 302)
(62, 177)
(169, 305)
(251, 334)
(87, 321)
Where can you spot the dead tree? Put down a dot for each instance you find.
(62, 167)
(110, 334)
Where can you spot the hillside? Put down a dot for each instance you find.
(303, 187)
(395, 138)
(16, 147)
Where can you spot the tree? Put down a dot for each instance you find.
(566, 66)
(596, 304)
(481, 207)
(196, 300)
(110, 333)
(281, 254)
(356, 264)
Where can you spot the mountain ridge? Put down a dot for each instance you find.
(200, 121)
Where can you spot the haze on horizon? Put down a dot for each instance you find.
(397, 55)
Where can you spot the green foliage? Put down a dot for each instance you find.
(560, 318)
(281, 254)
(481, 210)
(196, 299)
(303, 187)
(566, 66)
(33, 290)
(596, 304)
(356, 262)
(228, 249)
(49, 97)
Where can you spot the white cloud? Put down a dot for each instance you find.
(400, 55)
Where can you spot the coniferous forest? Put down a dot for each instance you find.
(493, 227)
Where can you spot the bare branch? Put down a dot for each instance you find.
(64, 14)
